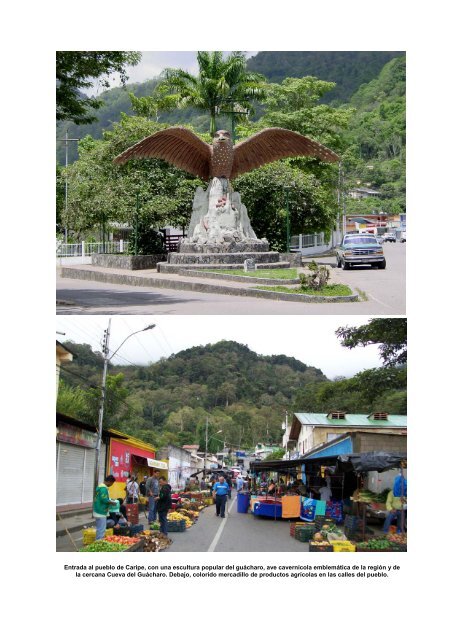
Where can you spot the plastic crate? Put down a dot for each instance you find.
(176, 526)
(342, 545)
(136, 528)
(304, 534)
(89, 535)
(320, 547)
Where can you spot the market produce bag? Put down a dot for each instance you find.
(308, 509)
(334, 510)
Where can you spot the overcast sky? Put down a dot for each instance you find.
(310, 339)
(152, 64)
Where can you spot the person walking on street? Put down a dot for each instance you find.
(220, 491)
(132, 490)
(239, 483)
(152, 492)
(164, 505)
(101, 505)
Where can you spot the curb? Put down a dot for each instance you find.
(76, 527)
(244, 279)
(136, 281)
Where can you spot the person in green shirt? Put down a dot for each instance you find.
(101, 504)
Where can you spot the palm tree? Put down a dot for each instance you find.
(223, 85)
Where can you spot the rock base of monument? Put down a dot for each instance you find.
(262, 260)
(129, 263)
(260, 257)
(244, 246)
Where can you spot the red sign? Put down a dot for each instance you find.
(121, 463)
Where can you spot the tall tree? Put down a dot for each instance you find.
(75, 72)
(222, 84)
(389, 333)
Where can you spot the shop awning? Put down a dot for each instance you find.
(274, 465)
(156, 464)
(370, 461)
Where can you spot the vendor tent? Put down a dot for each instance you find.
(370, 461)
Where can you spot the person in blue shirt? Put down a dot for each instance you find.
(220, 490)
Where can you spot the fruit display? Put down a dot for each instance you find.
(104, 545)
(377, 544)
(125, 540)
(176, 516)
(398, 538)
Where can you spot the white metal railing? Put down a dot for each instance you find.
(307, 241)
(83, 249)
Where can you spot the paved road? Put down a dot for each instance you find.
(236, 533)
(384, 290)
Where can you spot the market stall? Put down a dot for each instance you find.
(366, 500)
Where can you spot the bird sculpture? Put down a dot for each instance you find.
(185, 150)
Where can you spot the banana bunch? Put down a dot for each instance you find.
(174, 516)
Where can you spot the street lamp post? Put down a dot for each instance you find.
(107, 359)
(66, 139)
(286, 191)
(207, 443)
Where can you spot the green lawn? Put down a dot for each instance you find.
(274, 274)
(328, 290)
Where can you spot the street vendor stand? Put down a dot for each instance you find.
(361, 463)
(276, 506)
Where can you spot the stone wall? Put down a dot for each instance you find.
(131, 263)
(295, 259)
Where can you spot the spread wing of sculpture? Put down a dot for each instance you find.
(219, 218)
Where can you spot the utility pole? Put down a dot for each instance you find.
(205, 453)
(107, 358)
(105, 346)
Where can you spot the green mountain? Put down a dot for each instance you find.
(241, 394)
(348, 69)
(377, 140)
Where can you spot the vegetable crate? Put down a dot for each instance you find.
(176, 526)
(320, 547)
(304, 534)
(342, 545)
(294, 526)
(89, 535)
(136, 528)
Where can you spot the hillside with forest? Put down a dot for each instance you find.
(368, 134)
(347, 69)
(242, 394)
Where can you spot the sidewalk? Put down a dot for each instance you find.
(150, 278)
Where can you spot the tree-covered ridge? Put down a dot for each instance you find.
(241, 393)
(348, 69)
(376, 139)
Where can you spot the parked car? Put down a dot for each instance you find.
(360, 249)
(389, 237)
